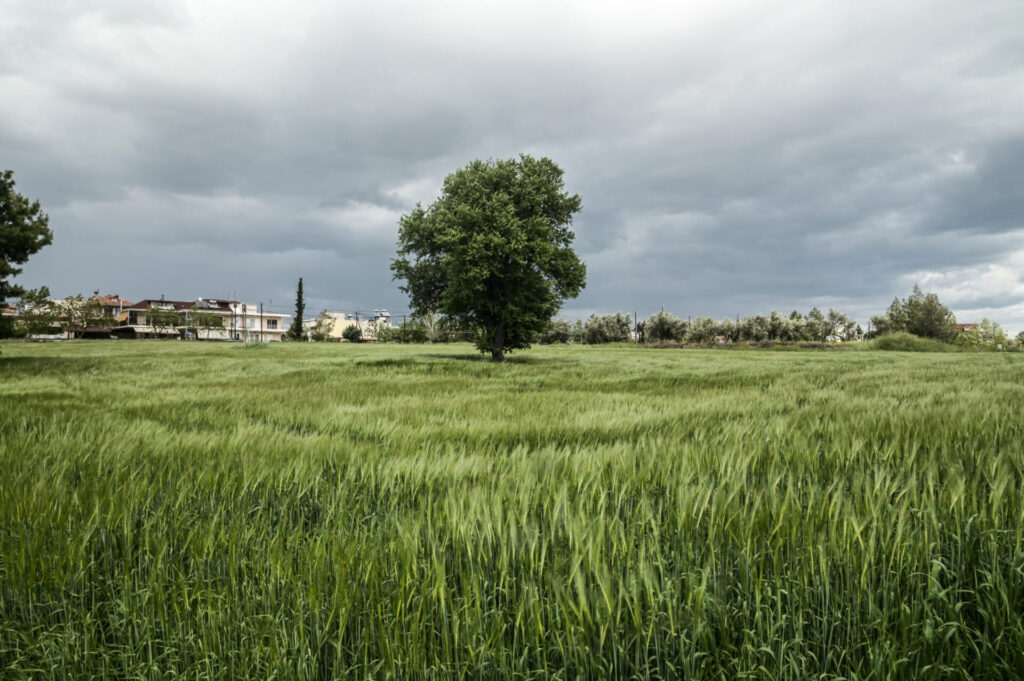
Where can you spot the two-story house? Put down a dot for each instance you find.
(200, 319)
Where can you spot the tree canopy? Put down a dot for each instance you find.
(607, 329)
(204, 320)
(494, 251)
(920, 314)
(24, 229)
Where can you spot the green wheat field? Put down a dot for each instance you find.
(211, 511)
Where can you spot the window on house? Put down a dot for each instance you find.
(250, 323)
(271, 323)
(133, 317)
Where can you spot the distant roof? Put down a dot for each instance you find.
(178, 305)
(114, 299)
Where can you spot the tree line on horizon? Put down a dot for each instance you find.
(920, 315)
(665, 327)
(490, 261)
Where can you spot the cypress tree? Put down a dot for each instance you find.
(295, 331)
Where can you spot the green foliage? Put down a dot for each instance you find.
(321, 329)
(494, 251)
(783, 328)
(702, 330)
(756, 328)
(815, 327)
(893, 321)
(928, 318)
(837, 327)
(200, 321)
(908, 342)
(299, 513)
(24, 229)
(296, 331)
(417, 330)
(413, 331)
(443, 329)
(75, 314)
(664, 326)
(383, 332)
(986, 335)
(353, 334)
(920, 314)
(578, 333)
(607, 329)
(162, 319)
(36, 312)
(557, 331)
(435, 326)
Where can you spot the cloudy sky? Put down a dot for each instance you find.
(733, 157)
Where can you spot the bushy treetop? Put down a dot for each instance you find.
(24, 229)
(494, 251)
(920, 314)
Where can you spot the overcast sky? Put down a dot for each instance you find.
(732, 157)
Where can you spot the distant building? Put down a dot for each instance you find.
(238, 321)
(249, 321)
(342, 320)
(964, 328)
(112, 305)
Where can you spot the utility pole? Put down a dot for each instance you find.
(403, 329)
(261, 320)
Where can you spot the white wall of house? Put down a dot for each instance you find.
(247, 323)
(242, 321)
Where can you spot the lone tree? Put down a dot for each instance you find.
(353, 334)
(494, 251)
(295, 331)
(24, 229)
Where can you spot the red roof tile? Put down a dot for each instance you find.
(114, 299)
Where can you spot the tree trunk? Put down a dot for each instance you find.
(498, 350)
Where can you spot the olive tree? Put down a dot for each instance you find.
(607, 329)
(664, 326)
(557, 331)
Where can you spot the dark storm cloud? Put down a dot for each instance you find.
(731, 159)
